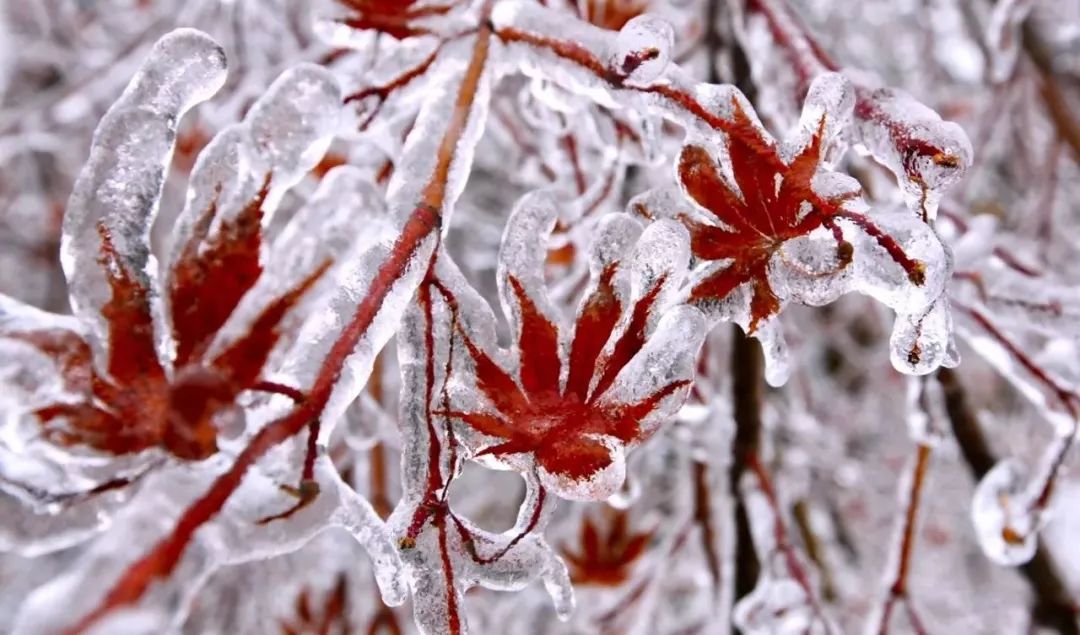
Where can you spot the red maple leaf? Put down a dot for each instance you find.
(605, 559)
(614, 14)
(775, 203)
(392, 17)
(135, 404)
(562, 427)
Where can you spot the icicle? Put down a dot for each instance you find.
(119, 187)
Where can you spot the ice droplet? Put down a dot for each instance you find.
(774, 349)
(926, 411)
(642, 49)
(1004, 526)
(777, 606)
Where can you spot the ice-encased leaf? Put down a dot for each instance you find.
(118, 189)
(445, 554)
(571, 403)
(235, 188)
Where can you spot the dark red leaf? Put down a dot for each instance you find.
(594, 326)
(211, 276)
(573, 456)
(538, 343)
(242, 362)
(774, 202)
(631, 340)
(493, 381)
(132, 356)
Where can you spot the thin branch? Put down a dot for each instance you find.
(1054, 607)
(898, 587)
(703, 516)
(748, 393)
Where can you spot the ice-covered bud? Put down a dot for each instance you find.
(920, 343)
(642, 49)
(927, 154)
(774, 349)
(776, 606)
(1004, 524)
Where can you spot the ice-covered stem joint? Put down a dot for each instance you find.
(926, 154)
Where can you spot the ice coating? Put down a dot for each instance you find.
(808, 239)
(628, 369)
(345, 223)
(660, 258)
(668, 356)
(613, 237)
(46, 490)
(830, 98)
(381, 253)
(774, 349)
(422, 152)
(1005, 527)
(284, 135)
(1053, 398)
(394, 89)
(880, 277)
(215, 179)
(291, 126)
(926, 154)
(521, 265)
(228, 540)
(118, 189)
